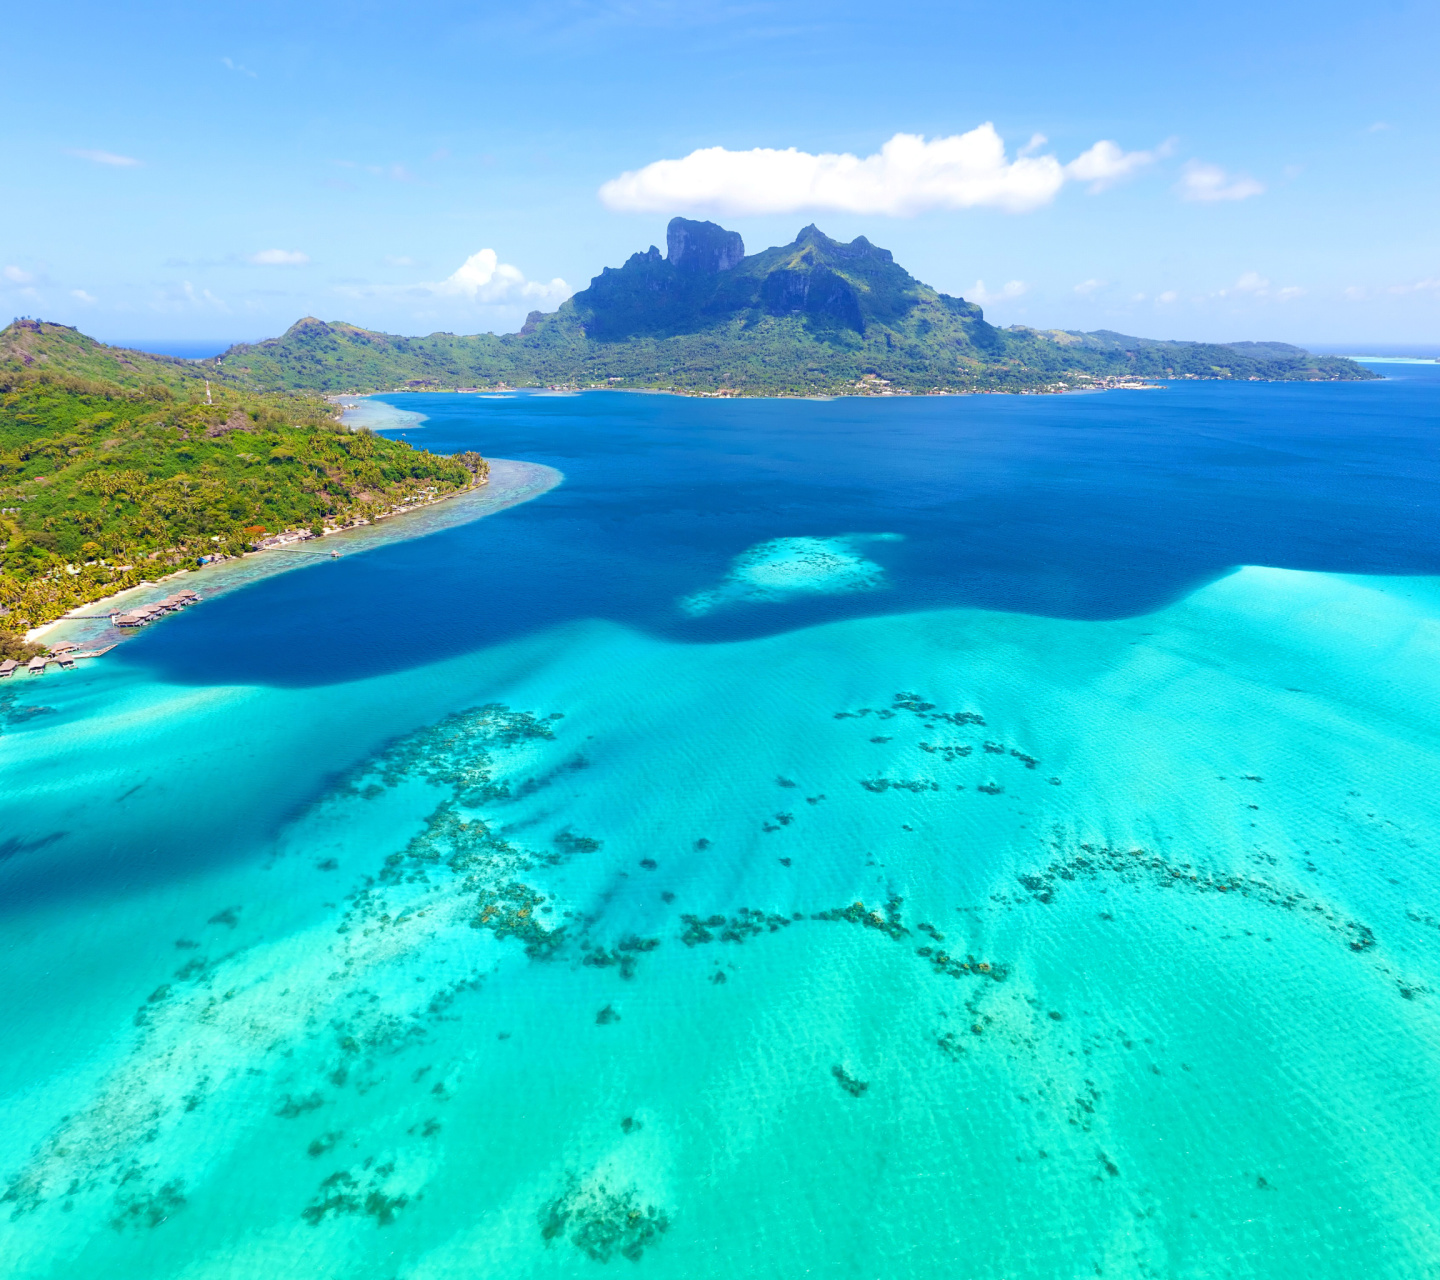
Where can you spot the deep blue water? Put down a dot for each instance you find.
(185, 348)
(1085, 507)
(274, 1006)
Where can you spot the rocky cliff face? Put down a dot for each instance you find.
(814, 291)
(702, 246)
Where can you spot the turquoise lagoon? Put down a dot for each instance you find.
(990, 838)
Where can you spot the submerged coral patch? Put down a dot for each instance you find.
(602, 1223)
(784, 568)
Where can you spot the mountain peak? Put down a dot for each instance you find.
(702, 246)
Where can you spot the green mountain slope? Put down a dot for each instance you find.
(41, 347)
(812, 316)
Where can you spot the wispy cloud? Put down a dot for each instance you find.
(278, 258)
(81, 296)
(239, 67)
(395, 172)
(1087, 287)
(907, 176)
(15, 275)
(1253, 285)
(979, 293)
(1105, 164)
(1364, 293)
(1208, 183)
(184, 297)
(104, 157)
(1431, 285)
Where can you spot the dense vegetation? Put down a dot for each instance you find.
(812, 316)
(103, 486)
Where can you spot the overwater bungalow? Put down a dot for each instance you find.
(7, 668)
(36, 666)
(141, 614)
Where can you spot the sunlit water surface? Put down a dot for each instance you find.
(868, 838)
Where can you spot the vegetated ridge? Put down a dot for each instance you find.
(814, 316)
(141, 469)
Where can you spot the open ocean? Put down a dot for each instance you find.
(980, 838)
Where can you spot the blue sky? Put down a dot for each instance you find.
(174, 171)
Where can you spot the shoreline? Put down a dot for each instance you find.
(1136, 383)
(510, 484)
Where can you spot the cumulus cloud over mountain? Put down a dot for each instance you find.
(481, 279)
(908, 175)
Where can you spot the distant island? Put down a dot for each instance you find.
(812, 317)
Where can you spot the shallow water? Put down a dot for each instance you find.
(476, 907)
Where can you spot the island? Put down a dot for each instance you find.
(118, 467)
(814, 317)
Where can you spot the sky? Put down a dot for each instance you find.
(181, 173)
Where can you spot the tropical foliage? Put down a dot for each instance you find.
(102, 486)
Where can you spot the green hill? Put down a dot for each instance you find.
(38, 346)
(105, 485)
(812, 316)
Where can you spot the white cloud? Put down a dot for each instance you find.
(16, 276)
(1167, 297)
(1105, 164)
(482, 277)
(979, 293)
(908, 175)
(1086, 287)
(279, 258)
(204, 298)
(238, 66)
(1208, 183)
(1253, 285)
(401, 261)
(185, 297)
(82, 296)
(1378, 127)
(105, 157)
(1363, 293)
